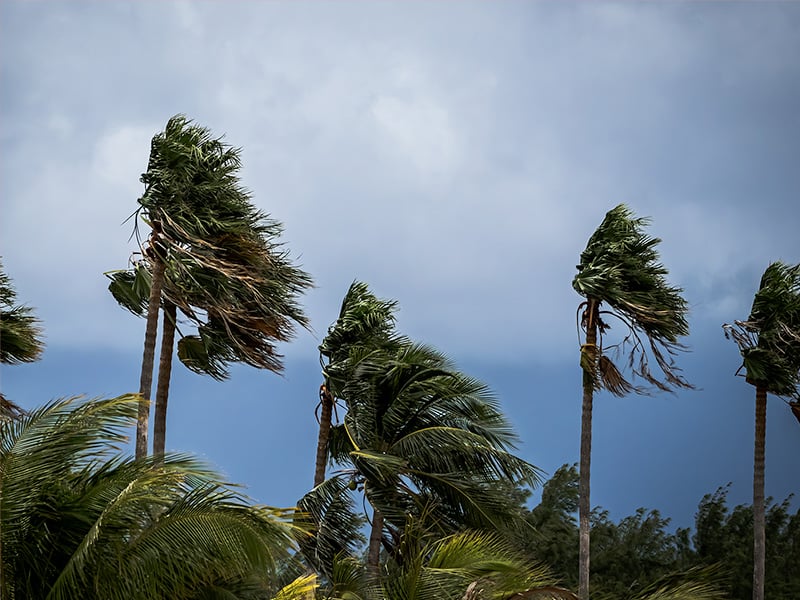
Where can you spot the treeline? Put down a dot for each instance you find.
(632, 554)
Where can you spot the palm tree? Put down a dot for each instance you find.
(620, 268)
(769, 342)
(364, 321)
(419, 434)
(212, 255)
(20, 331)
(79, 520)
(20, 337)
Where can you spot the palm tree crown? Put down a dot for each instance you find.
(620, 268)
(20, 331)
(769, 340)
(225, 268)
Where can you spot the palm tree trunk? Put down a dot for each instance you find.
(3, 593)
(148, 356)
(375, 535)
(164, 375)
(588, 360)
(326, 414)
(759, 541)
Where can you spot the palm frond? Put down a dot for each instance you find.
(364, 320)
(692, 584)
(82, 520)
(329, 513)
(302, 588)
(464, 566)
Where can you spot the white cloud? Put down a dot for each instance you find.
(120, 156)
(420, 130)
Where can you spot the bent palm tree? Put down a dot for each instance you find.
(210, 253)
(419, 434)
(620, 268)
(20, 337)
(82, 521)
(20, 331)
(769, 342)
(364, 321)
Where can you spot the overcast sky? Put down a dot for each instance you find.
(456, 157)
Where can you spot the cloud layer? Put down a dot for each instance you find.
(455, 159)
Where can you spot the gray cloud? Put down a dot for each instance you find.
(455, 158)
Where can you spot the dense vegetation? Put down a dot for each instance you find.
(427, 500)
(636, 552)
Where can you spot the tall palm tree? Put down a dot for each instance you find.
(620, 270)
(210, 253)
(418, 434)
(79, 520)
(365, 321)
(20, 336)
(769, 342)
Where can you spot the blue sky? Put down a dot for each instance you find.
(456, 157)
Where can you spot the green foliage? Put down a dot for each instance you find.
(79, 520)
(620, 268)
(225, 268)
(464, 565)
(329, 512)
(769, 340)
(725, 536)
(633, 554)
(424, 434)
(20, 331)
(364, 320)
(418, 438)
(552, 538)
(641, 557)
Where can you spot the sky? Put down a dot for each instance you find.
(454, 156)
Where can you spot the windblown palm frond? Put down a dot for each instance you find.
(620, 268)
(328, 512)
(693, 584)
(769, 340)
(20, 331)
(464, 566)
(364, 320)
(80, 520)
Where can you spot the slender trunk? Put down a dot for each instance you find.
(375, 535)
(148, 357)
(3, 593)
(588, 360)
(759, 541)
(164, 375)
(326, 414)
